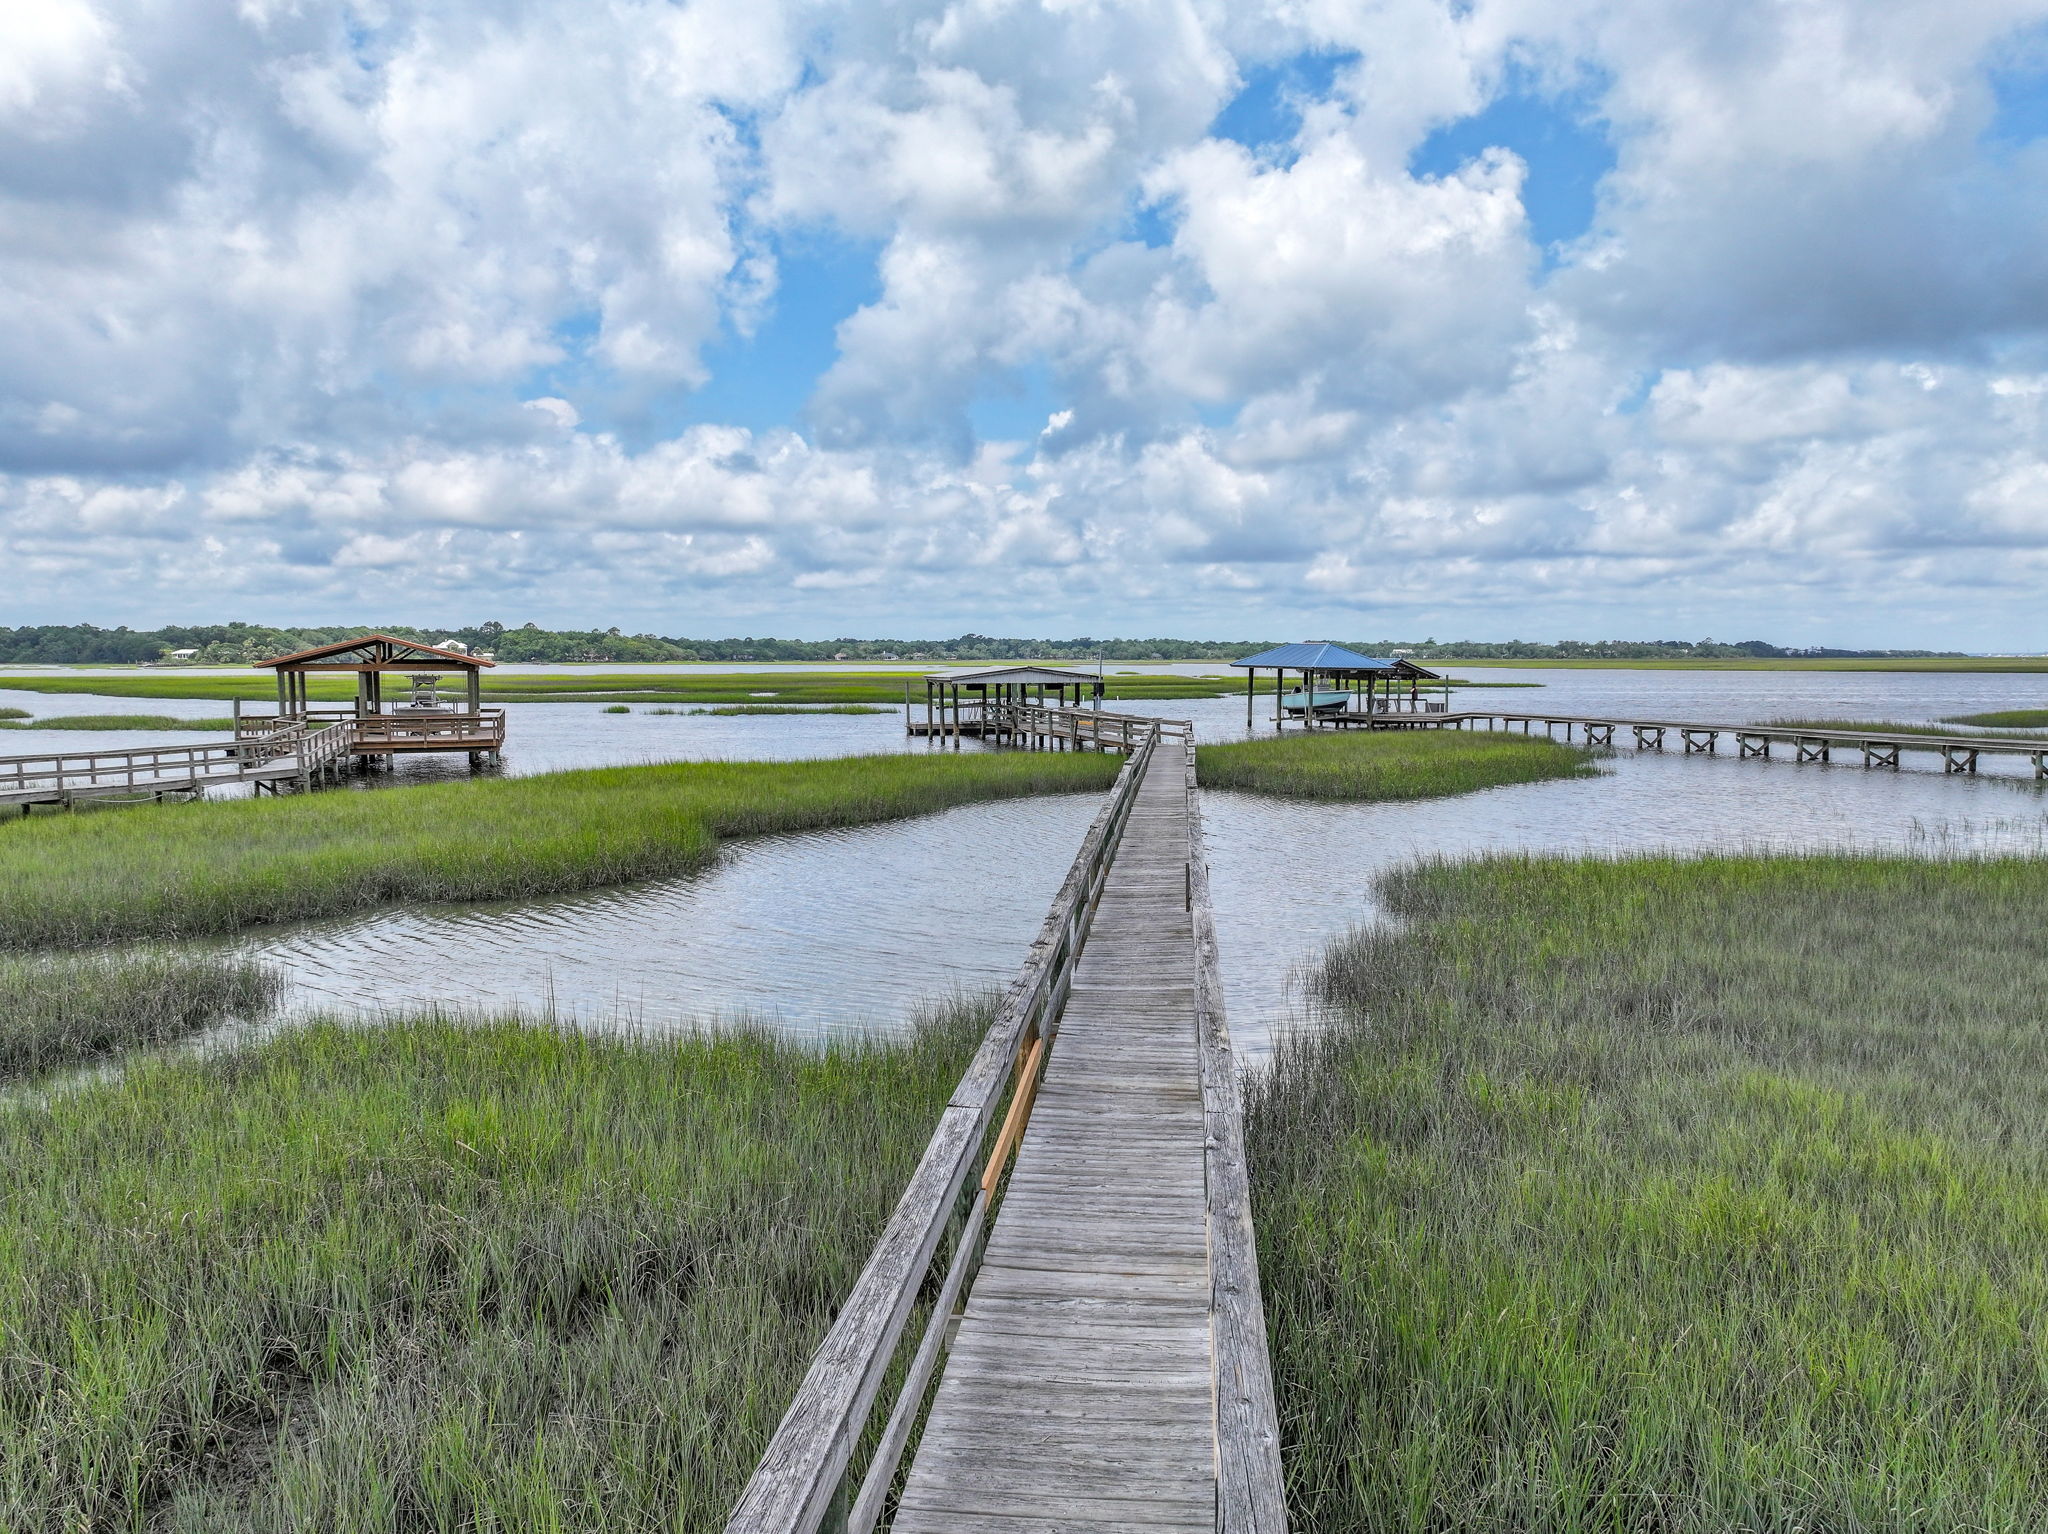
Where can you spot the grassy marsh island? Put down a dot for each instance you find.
(66, 1009)
(436, 1275)
(16, 720)
(1387, 764)
(1674, 1194)
(2006, 719)
(1879, 726)
(605, 687)
(217, 867)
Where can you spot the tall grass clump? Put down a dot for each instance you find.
(178, 870)
(1387, 764)
(59, 1010)
(1672, 1195)
(437, 1276)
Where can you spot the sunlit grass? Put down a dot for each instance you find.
(436, 1276)
(214, 867)
(1386, 764)
(1669, 1195)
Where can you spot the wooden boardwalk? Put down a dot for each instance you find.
(267, 753)
(1078, 1394)
(1877, 747)
(1103, 1342)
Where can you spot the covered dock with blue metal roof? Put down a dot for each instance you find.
(1340, 686)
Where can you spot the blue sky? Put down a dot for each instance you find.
(710, 316)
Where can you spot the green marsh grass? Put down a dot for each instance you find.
(734, 710)
(1671, 1195)
(13, 713)
(65, 1009)
(217, 867)
(1386, 764)
(1875, 726)
(2007, 719)
(115, 722)
(437, 1275)
(598, 686)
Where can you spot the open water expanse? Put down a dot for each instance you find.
(848, 929)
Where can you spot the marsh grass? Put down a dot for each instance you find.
(12, 721)
(733, 710)
(216, 867)
(2006, 719)
(1877, 726)
(63, 1010)
(1669, 1195)
(1386, 764)
(13, 713)
(437, 1275)
(598, 687)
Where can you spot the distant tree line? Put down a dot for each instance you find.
(246, 643)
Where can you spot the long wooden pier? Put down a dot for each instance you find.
(1097, 1335)
(1877, 748)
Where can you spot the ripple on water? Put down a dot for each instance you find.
(851, 928)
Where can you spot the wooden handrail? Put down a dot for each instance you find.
(803, 1473)
(1250, 1491)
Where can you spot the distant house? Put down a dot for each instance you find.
(181, 655)
(456, 645)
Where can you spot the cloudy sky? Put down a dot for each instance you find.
(1489, 318)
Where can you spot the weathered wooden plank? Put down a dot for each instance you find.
(1090, 1314)
(800, 1472)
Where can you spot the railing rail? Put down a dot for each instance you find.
(1081, 726)
(804, 1476)
(484, 728)
(139, 768)
(1250, 1492)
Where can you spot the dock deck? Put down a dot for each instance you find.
(1099, 1345)
(1078, 1393)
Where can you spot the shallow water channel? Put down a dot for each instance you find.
(845, 929)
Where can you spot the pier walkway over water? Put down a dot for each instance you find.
(1879, 747)
(1097, 1335)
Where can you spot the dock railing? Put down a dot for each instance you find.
(805, 1481)
(1250, 1490)
(1079, 726)
(482, 731)
(142, 769)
